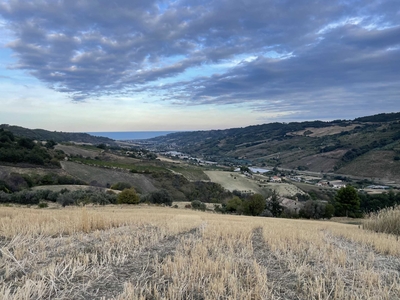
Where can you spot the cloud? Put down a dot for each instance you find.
(271, 55)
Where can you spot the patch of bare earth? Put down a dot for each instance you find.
(281, 280)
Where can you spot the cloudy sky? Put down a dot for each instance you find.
(129, 65)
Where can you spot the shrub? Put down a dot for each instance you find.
(4, 197)
(65, 199)
(43, 205)
(128, 196)
(254, 206)
(313, 210)
(198, 205)
(24, 197)
(329, 211)
(160, 197)
(234, 204)
(120, 186)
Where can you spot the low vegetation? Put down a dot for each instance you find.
(386, 220)
(164, 253)
(24, 150)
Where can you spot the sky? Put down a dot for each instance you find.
(137, 65)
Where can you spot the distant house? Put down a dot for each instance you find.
(275, 179)
(337, 184)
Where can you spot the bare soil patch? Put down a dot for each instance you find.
(281, 280)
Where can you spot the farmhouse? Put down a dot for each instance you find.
(337, 184)
(275, 179)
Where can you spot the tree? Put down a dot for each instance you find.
(233, 204)
(329, 211)
(198, 205)
(313, 210)
(347, 202)
(255, 205)
(274, 205)
(128, 196)
(160, 197)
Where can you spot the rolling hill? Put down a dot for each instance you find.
(45, 135)
(342, 146)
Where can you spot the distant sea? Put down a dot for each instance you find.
(131, 135)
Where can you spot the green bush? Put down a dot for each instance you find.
(313, 210)
(43, 205)
(234, 204)
(128, 196)
(120, 186)
(160, 197)
(254, 206)
(198, 205)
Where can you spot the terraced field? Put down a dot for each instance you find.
(121, 252)
(236, 181)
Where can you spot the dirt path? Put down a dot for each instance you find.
(281, 280)
(139, 270)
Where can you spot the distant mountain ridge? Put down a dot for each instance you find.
(366, 146)
(41, 134)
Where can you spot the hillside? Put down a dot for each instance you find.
(45, 135)
(340, 146)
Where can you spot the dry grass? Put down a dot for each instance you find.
(163, 253)
(386, 220)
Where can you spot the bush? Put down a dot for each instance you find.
(24, 197)
(43, 205)
(4, 197)
(329, 211)
(160, 197)
(198, 205)
(120, 186)
(313, 210)
(128, 196)
(234, 204)
(254, 206)
(65, 199)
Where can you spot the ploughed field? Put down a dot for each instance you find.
(142, 252)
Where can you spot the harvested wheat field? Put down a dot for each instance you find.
(164, 253)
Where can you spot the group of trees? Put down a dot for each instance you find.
(346, 203)
(253, 205)
(130, 196)
(14, 182)
(372, 203)
(24, 150)
(63, 197)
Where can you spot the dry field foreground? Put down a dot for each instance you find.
(164, 253)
